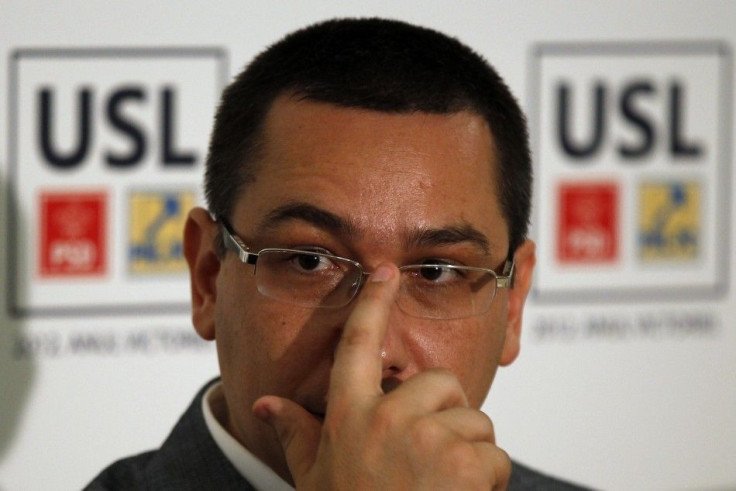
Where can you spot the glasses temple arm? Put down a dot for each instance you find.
(232, 243)
(506, 280)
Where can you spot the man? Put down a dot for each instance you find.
(362, 268)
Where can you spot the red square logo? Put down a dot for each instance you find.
(72, 234)
(588, 223)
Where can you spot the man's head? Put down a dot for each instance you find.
(374, 141)
(376, 64)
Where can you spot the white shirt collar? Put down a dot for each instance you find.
(256, 472)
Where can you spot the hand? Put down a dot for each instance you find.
(422, 435)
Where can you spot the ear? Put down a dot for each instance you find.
(204, 266)
(524, 261)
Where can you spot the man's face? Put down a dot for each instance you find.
(373, 187)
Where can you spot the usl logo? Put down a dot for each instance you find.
(128, 121)
(632, 146)
(631, 119)
(117, 103)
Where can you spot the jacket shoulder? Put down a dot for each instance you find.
(524, 478)
(127, 473)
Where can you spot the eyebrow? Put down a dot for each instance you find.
(425, 237)
(433, 237)
(307, 213)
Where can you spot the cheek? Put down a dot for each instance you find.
(269, 347)
(471, 349)
(250, 327)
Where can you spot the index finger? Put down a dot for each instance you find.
(357, 369)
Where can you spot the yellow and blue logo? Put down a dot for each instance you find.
(156, 231)
(669, 220)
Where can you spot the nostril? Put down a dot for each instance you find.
(389, 383)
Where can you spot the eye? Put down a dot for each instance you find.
(435, 271)
(309, 262)
(431, 273)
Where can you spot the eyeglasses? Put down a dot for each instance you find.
(318, 280)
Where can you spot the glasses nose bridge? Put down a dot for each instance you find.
(358, 282)
(363, 275)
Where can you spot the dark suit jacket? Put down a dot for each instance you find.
(190, 459)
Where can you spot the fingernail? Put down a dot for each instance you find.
(382, 273)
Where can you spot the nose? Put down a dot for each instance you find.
(395, 351)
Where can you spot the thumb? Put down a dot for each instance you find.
(298, 431)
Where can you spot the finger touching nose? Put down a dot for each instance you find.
(358, 365)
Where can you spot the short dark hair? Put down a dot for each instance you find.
(378, 64)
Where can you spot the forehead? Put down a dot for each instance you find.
(380, 171)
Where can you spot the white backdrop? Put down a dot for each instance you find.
(627, 377)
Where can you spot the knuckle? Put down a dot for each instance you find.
(505, 460)
(386, 416)
(357, 336)
(460, 454)
(427, 433)
(488, 427)
(447, 382)
(463, 460)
